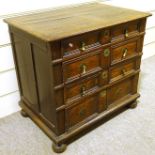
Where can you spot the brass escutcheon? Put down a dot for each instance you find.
(104, 75)
(106, 52)
(83, 48)
(83, 89)
(126, 33)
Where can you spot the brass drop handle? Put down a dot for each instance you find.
(123, 71)
(83, 89)
(126, 33)
(83, 69)
(83, 46)
(125, 51)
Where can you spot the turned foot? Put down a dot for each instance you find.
(59, 148)
(133, 105)
(23, 113)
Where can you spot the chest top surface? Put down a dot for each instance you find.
(60, 23)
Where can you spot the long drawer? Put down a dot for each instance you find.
(86, 64)
(80, 88)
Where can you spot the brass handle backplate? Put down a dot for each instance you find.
(126, 33)
(83, 89)
(83, 46)
(123, 71)
(83, 69)
(125, 51)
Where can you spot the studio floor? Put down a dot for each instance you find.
(132, 132)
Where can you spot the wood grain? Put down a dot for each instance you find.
(61, 23)
(68, 83)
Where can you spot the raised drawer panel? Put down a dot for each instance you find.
(84, 43)
(86, 108)
(124, 51)
(79, 44)
(81, 110)
(124, 69)
(120, 90)
(125, 31)
(83, 87)
(81, 67)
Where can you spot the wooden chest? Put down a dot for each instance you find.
(76, 65)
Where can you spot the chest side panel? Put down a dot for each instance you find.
(34, 72)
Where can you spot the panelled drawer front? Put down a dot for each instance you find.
(123, 31)
(123, 69)
(85, 109)
(79, 43)
(123, 51)
(81, 67)
(83, 87)
(84, 43)
(120, 90)
(81, 111)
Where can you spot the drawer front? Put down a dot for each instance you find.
(84, 43)
(78, 44)
(83, 87)
(124, 31)
(86, 109)
(120, 71)
(81, 67)
(81, 111)
(120, 90)
(123, 51)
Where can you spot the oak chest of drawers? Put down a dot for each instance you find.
(76, 65)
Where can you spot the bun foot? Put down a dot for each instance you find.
(59, 148)
(133, 105)
(23, 113)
